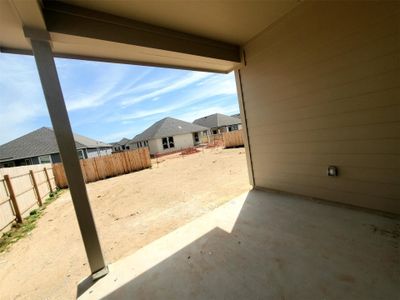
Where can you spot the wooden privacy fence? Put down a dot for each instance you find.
(103, 167)
(233, 138)
(210, 139)
(22, 189)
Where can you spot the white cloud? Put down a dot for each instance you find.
(128, 96)
(106, 89)
(175, 85)
(196, 113)
(117, 136)
(216, 87)
(21, 96)
(188, 116)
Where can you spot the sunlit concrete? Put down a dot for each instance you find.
(264, 245)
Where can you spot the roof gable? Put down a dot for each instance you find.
(167, 127)
(217, 120)
(122, 142)
(88, 142)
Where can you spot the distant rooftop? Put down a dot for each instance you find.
(236, 116)
(167, 127)
(41, 142)
(217, 120)
(122, 142)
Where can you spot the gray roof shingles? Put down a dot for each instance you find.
(236, 116)
(167, 127)
(41, 142)
(217, 120)
(122, 142)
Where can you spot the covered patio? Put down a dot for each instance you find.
(263, 245)
(319, 94)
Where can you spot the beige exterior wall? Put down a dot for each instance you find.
(154, 146)
(181, 141)
(322, 87)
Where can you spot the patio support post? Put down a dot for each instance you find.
(40, 41)
(243, 117)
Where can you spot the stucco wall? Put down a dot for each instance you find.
(322, 87)
(154, 146)
(181, 142)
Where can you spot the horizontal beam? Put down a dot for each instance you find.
(77, 21)
(111, 60)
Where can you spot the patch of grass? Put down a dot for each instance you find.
(18, 231)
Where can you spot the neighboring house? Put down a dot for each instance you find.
(40, 146)
(122, 145)
(219, 123)
(168, 135)
(236, 116)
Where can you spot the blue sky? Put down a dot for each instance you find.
(109, 101)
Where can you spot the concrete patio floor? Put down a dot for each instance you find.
(264, 245)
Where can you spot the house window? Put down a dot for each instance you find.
(80, 154)
(196, 137)
(233, 127)
(45, 159)
(215, 131)
(171, 142)
(165, 143)
(7, 165)
(168, 142)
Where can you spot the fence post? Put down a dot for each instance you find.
(48, 179)
(13, 198)
(35, 187)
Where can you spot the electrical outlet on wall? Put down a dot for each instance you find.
(332, 171)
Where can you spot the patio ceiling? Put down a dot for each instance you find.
(198, 35)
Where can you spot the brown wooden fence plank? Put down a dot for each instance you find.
(90, 169)
(118, 161)
(140, 158)
(131, 161)
(13, 198)
(233, 138)
(102, 167)
(127, 162)
(59, 175)
(115, 165)
(128, 165)
(48, 179)
(35, 187)
(148, 159)
(136, 160)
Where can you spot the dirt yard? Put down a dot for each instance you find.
(130, 211)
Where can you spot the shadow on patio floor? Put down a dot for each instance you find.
(264, 245)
